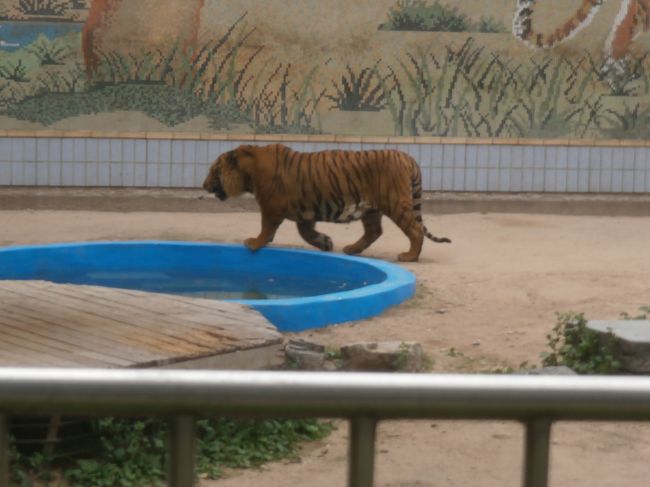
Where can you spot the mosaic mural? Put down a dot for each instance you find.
(461, 68)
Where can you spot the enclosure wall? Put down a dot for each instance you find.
(461, 166)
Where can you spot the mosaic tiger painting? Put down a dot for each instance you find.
(332, 186)
(633, 17)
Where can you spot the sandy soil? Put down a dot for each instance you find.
(492, 296)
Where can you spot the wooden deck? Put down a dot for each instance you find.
(58, 325)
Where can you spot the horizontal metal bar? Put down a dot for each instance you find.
(164, 392)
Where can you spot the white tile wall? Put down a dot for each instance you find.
(184, 163)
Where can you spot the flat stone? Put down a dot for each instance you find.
(383, 356)
(553, 370)
(305, 355)
(634, 341)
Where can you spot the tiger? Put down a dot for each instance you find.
(332, 186)
(633, 16)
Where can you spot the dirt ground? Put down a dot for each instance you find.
(491, 296)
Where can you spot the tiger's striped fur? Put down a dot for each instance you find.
(333, 186)
(522, 24)
(633, 17)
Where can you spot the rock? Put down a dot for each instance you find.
(633, 342)
(383, 356)
(555, 370)
(305, 355)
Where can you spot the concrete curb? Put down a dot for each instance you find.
(195, 200)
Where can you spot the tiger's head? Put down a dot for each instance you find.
(226, 178)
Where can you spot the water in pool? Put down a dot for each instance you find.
(225, 286)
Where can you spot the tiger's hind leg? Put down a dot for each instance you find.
(406, 219)
(371, 231)
(307, 230)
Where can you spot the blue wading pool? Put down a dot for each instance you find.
(294, 289)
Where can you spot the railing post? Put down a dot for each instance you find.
(4, 451)
(361, 470)
(182, 451)
(538, 443)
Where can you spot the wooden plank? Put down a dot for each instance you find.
(54, 344)
(111, 305)
(48, 353)
(201, 314)
(48, 324)
(235, 319)
(77, 332)
(77, 310)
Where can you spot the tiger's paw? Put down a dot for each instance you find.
(252, 244)
(407, 257)
(325, 243)
(351, 250)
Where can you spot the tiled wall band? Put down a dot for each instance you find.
(159, 162)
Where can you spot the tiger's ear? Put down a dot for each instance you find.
(244, 156)
(245, 150)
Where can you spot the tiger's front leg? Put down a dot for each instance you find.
(307, 230)
(371, 231)
(270, 225)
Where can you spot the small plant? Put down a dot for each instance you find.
(363, 91)
(333, 353)
(629, 123)
(645, 311)
(49, 53)
(43, 7)
(72, 81)
(574, 345)
(409, 360)
(17, 72)
(403, 360)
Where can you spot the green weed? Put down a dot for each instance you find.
(14, 72)
(419, 15)
(132, 453)
(644, 312)
(579, 348)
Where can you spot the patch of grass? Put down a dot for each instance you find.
(133, 453)
(164, 103)
(574, 345)
(282, 106)
(419, 15)
(472, 92)
(626, 123)
(644, 312)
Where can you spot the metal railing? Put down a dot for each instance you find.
(363, 399)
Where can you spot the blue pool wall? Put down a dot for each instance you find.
(387, 284)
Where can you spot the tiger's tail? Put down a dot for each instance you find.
(522, 24)
(416, 184)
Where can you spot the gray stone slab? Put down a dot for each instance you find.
(634, 341)
(633, 331)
